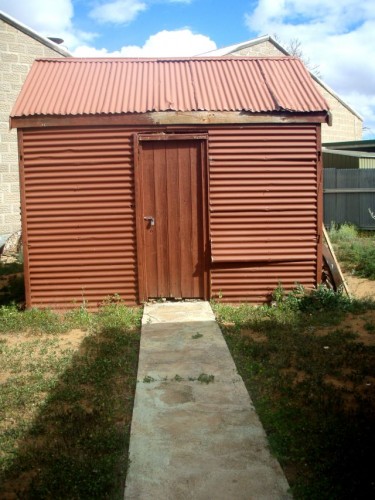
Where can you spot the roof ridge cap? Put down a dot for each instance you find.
(72, 60)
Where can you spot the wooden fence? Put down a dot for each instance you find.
(348, 196)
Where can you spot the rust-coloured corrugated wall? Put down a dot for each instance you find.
(263, 209)
(79, 211)
(78, 215)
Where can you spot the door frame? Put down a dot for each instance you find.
(140, 233)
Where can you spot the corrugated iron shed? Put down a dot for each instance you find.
(73, 87)
(192, 178)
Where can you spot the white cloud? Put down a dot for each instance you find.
(41, 15)
(49, 18)
(337, 36)
(178, 43)
(118, 11)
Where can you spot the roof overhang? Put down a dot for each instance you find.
(171, 118)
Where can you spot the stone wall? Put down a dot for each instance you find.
(346, 126)
(263, 49)
(17, 53)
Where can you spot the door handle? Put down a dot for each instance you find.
(150, 219)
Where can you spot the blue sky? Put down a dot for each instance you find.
(336, 35)
(164, 15)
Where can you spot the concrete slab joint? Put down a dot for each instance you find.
(195, 433)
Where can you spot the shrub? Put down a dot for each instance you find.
(356, 251)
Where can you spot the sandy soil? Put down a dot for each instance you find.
(360, 288)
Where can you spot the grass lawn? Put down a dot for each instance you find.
(67, 385)
(309, 366)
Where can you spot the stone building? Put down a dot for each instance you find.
(19, 47)
(347, 124)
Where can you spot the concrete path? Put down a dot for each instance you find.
(191, 439)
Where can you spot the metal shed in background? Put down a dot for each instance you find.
(337, 158)
(184, 178)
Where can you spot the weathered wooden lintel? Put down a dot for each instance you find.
(168, 118)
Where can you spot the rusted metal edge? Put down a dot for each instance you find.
(319, 221)
(25, 243)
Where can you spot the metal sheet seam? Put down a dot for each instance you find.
(273, 97)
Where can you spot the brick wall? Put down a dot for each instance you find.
(17, 53)
(346, 126)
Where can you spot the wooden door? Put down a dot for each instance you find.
(171, 217)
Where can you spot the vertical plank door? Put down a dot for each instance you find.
(170, 211)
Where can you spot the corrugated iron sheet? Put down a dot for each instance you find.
(79, 212)
(76, 86)
(255, 282)
(80, 224)
(263, 209)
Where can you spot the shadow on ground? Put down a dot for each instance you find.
(77, 446)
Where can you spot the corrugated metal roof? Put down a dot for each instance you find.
(115, 86)
(232, 50)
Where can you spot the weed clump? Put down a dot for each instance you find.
(356, 250)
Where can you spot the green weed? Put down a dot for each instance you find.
(369, 327)
(355, 250)
(197, 336)
(206, 379)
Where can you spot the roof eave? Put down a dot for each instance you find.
(171, 118)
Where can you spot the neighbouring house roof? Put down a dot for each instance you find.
(341, 152)
(232, 49)
(367, 145)
(30, 32)
(109, 86)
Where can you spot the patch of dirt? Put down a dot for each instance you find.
(72, 339)
(339, 383)
(362, 325)
(255, 336)
(228, 324)
(4, 376)
(14, 338)
(360, 288)
(298, 375)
